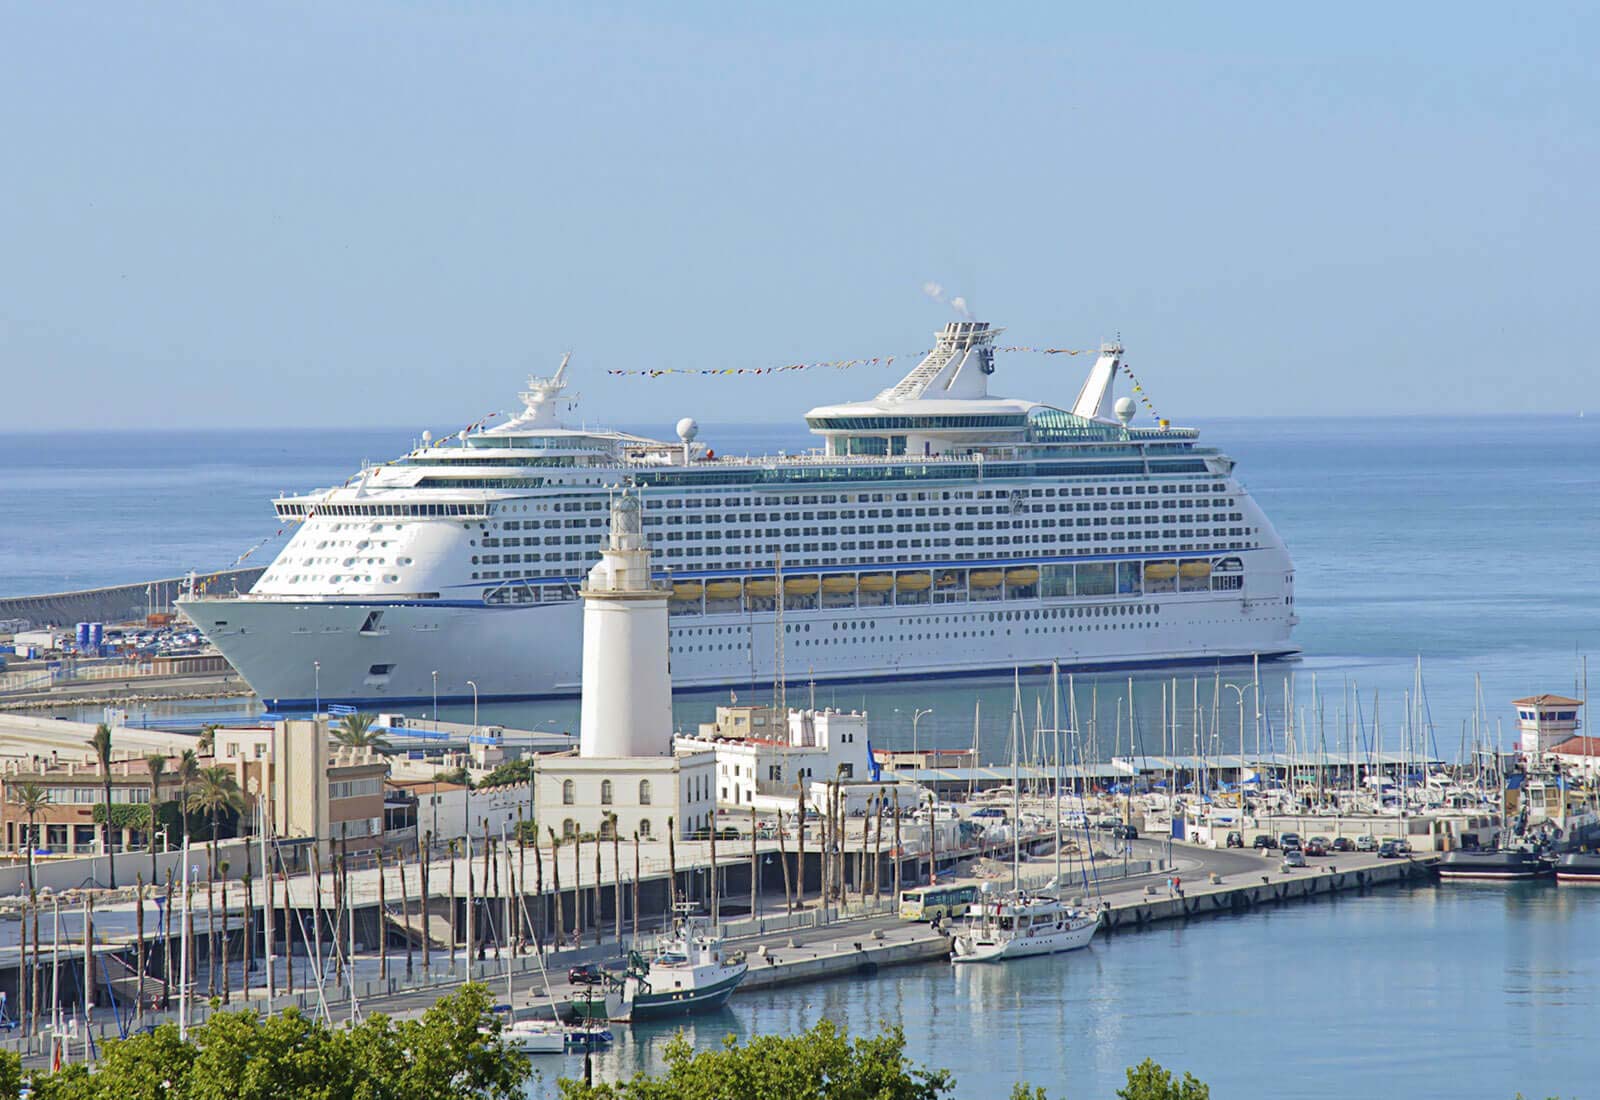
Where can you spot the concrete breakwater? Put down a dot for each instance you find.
(117, 603)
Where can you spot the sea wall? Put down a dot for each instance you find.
(118, 603)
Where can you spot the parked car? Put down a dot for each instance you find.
(1389, 850)
(586, 974)
(1366, 843)
(1343, 844)
(1403, 847)
(1290, 841)
(1124, 832)
(1314, 847)
(1266, 841)
(1236, 840)
(1107, 823)
(1293, 858)
(1322, 840)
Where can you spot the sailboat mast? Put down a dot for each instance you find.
(1016, 783)
(1055, 723)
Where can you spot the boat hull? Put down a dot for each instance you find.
(654, 1006)
(971, 950)
(1579, 869)
(296, 653)
(1493, 867)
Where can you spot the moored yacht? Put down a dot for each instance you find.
(1020, 925)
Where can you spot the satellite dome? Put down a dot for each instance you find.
(688, 429)
(427, 436)
(1125, 408)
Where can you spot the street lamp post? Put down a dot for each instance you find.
(915, 718)
(316, 674)
(436, 697)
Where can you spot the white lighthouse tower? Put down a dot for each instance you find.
(627, 696)
(625, 776)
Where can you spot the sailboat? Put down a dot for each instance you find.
(1021, 923)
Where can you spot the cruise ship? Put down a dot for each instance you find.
(937, 529)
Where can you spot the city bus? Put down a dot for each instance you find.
(931, 903)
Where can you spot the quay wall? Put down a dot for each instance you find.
(1250, 891)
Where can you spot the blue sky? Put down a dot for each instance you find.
(370, 214)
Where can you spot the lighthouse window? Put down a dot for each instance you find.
(644, 798)
(569, 792)
(605, 792)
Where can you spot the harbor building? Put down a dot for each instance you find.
(763, 761)
(326, 794)
(626, 776)
(1545, 721)
(69, 822)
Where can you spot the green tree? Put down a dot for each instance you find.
(156, 764)
(1148, 1081)
(356, 732)
(10, 1075)
(101, 744)
(513, 771)
(32, 799)
(216, 792)
(452, 1053)
(187, 771)
(821, 1064)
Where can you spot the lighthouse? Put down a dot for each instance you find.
(625, 776)
(627, 687)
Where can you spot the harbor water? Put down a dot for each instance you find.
(1428, 991)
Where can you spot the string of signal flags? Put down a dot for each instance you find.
(873, 361)
(836, 364)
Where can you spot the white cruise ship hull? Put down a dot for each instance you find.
(298, 653)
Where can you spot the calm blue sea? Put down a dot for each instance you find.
(1436, 991)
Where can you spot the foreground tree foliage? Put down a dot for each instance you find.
(1148, 1081)
(452, 1053)
(821, 1064)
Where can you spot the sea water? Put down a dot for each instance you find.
(1429, 991)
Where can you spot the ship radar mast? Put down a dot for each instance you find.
(543, 396)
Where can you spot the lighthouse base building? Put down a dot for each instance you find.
(626, 777)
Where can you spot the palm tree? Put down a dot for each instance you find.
(356, 732)
(208, 739)
(188, 771)
(32, 798)
(216, 791)
(101, 744)
(157, 763)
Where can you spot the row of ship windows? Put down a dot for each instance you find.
(1122, 610)
(877, 636)
(297, 509)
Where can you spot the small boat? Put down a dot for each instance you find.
(760, 587)
(723, 590)
(689, 973)
(913, 582)
(1194, 570)
(876, 582)
(687, 590)
(535, 1036)
(1022, 925)
(984, 578)
(837, 584)
(1160, 571)
(800, 586)
(1021, 578)
(1502, 865)
(1579, 869)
